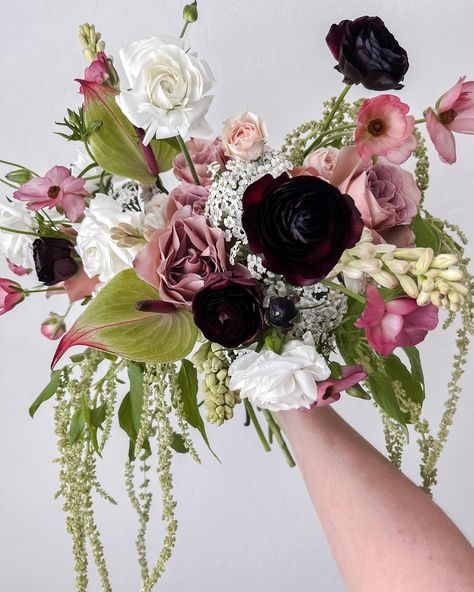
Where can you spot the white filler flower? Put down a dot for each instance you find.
(100, 254)
(280, 382)
(168, 88)
(18, 248)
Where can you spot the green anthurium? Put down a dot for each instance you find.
(113, 323)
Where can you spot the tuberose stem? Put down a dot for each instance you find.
(344, 290)
(257, 426)
(189, 160)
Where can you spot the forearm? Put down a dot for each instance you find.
(385, 533)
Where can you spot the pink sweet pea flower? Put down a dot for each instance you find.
(454, 113)
(97, 70)
(329, 391)
(383, 128)
(398, 323)
(11, 294)
(57, 189)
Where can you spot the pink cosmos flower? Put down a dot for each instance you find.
(11, 294)
(454, 113)
(57, 189)
(18, 269)
(398, 323)
(97, 70)
(383, 128)
(329, 391)
(203, 153)
(186, 194)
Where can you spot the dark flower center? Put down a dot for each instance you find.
(447, 117)
(53, 191)
(376, 127)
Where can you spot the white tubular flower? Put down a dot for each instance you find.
(18, 248)
(100, 253)
(280, 382)
(168, 88)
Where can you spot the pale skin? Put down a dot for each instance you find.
(385, 533)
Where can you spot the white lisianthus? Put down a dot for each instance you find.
(280, 382)
(18, 248)
(100, 254)
(168, 88)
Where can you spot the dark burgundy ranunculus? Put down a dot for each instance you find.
(54, 260)
(299, 225)
(368, 53)
(229, 309)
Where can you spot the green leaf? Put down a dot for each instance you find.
(127, 423)
(398, 371)
(178, 444)
(111, 323)
(135, 375)
(48, 391)
(413, 356)
(164, 152)
(426, 234)
(384, 395)
(76, 426)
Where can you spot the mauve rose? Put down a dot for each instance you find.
(179, 259)
(244, 136)
(186, 194)
(203, 153)
(322, 162)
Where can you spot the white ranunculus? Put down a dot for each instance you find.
(18, 248)
(100, 254)
(167, 88)
(280, 382)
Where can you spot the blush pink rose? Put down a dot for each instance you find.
(454, 113)
(384, 128)
(186, 194)
(244, 136)
(178, 260)
(11, 294)
(203, 153)
(329, 391)
(398, 323)
(57, 189)
(322, 162)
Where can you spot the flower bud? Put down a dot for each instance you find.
(20, 176)
(424, 262)
(281, 312)
(409, 285)
(385, 279)
(369, 266)
(444, 261)
(460, 288)
(53, 327)
(423, 299)
(451, 275)
(190, 13)
(411, 254)
(436, 299)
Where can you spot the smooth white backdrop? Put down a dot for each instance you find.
(246, 524)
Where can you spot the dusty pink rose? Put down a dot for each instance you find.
(398, 323)
(97, 70)
(322, 162)
(11, 294)
(179, 259)
(329, 391)
(454, 113)
(53, 327)
(57, 189)
(18, 269)
(203, 153)
(244, 136)
(383, 128)
(186, 194)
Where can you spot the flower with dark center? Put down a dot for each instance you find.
(281, 312)
(54, 260)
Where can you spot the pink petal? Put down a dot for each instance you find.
(374, 310)
(73, 206)
(403, 152)
(381, 343)
(462, 125)
(442, 138)
(148, 260)
(57, 175)
(328, 390)
(401, 306)
(450, 97)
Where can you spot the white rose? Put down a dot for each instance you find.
(155, 214)
(168, 88)
(280, 382)
(18, 248)
(100, 254)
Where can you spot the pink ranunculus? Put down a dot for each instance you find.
(18, 269)
(383, 128)
(97, 71)
(186, 194)
(179, 259)
(322, 162)
(398, 323)
(57, 189)
(53, 327)
(244, 136)
(329, 391)
(454, 113)
(11, 294)
(203, 153)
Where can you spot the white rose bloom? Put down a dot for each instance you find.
(18, 248)
(168, 88)
(155, 211)
(280, 382)
(100, 254)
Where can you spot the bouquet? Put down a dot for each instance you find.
(249, 281)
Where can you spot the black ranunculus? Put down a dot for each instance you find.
(229, 310)
(281, 312)
(54, 260)
(368, 53)
(300, 226)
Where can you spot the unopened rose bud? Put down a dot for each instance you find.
(53, 327)
(190, 13)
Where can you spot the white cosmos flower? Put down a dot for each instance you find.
(18, 248)
(168, 88)
(100, 254)
(280, 382)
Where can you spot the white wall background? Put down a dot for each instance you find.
(245, 525)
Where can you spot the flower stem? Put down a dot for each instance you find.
(275, 430)
(26, 292)
(20, 166)
(344, 290)
(89, 167)
(418, 121)
(328, 119)
(189, 160)
(253, 418)
(184, 29)
(14, 231)
(9, 184)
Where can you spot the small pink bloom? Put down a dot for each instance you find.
(329, 391)
(244, 136)
(385, 129)
(454, 113)
(53, 327)
(322, 162)
(398, 323)
(17, 269)
(57, 189)
(179, 259)
(186, 194)
(11, 294)
(97, 71)
(203, 153)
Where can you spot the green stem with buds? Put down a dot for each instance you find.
(189, 160)
(344, 290)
